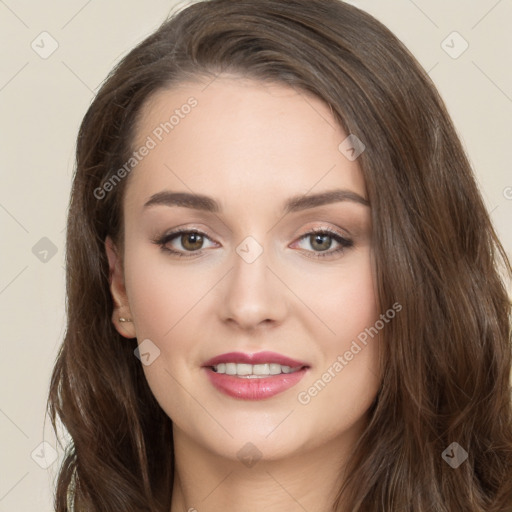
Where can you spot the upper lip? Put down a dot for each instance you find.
(257, 358)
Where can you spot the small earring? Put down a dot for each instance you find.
(121, 319)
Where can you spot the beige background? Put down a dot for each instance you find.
(42, 101)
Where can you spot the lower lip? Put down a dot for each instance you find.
(254, 388)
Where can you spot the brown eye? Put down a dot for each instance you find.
(184, 243)
(192, 241)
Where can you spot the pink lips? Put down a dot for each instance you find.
(256, 388)
(258, 358)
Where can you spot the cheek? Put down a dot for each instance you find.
(161, 294)
(163, 299)
(346, 378)
(342, 300)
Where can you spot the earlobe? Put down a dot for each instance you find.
(121, 315)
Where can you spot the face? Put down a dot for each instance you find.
(248, 250)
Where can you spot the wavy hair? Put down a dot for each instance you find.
(446, 359)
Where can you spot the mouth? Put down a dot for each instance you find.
(254, 376)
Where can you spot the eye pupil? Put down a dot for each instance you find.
(192, 241)
(324, 241)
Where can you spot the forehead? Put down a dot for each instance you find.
(264, 141)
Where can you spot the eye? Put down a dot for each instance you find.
(322, 240)
(181, 242)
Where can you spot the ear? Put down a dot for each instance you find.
(118, 292)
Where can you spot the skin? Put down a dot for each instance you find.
(250, 146)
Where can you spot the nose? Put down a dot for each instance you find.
(252, 295)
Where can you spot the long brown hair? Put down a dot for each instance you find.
(446, 358)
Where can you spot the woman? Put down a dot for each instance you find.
(283, 286)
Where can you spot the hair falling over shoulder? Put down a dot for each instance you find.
(447, 356)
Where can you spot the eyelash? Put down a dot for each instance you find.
(343, 242)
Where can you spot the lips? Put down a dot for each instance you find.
(258, 358)
(224, 373)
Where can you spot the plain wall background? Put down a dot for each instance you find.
(43, 100)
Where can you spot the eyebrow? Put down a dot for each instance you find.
(294, 204)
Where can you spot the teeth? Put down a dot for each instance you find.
(253, 370)
(261, 369)
(244, 369)
(231, 368)
(275, 369)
